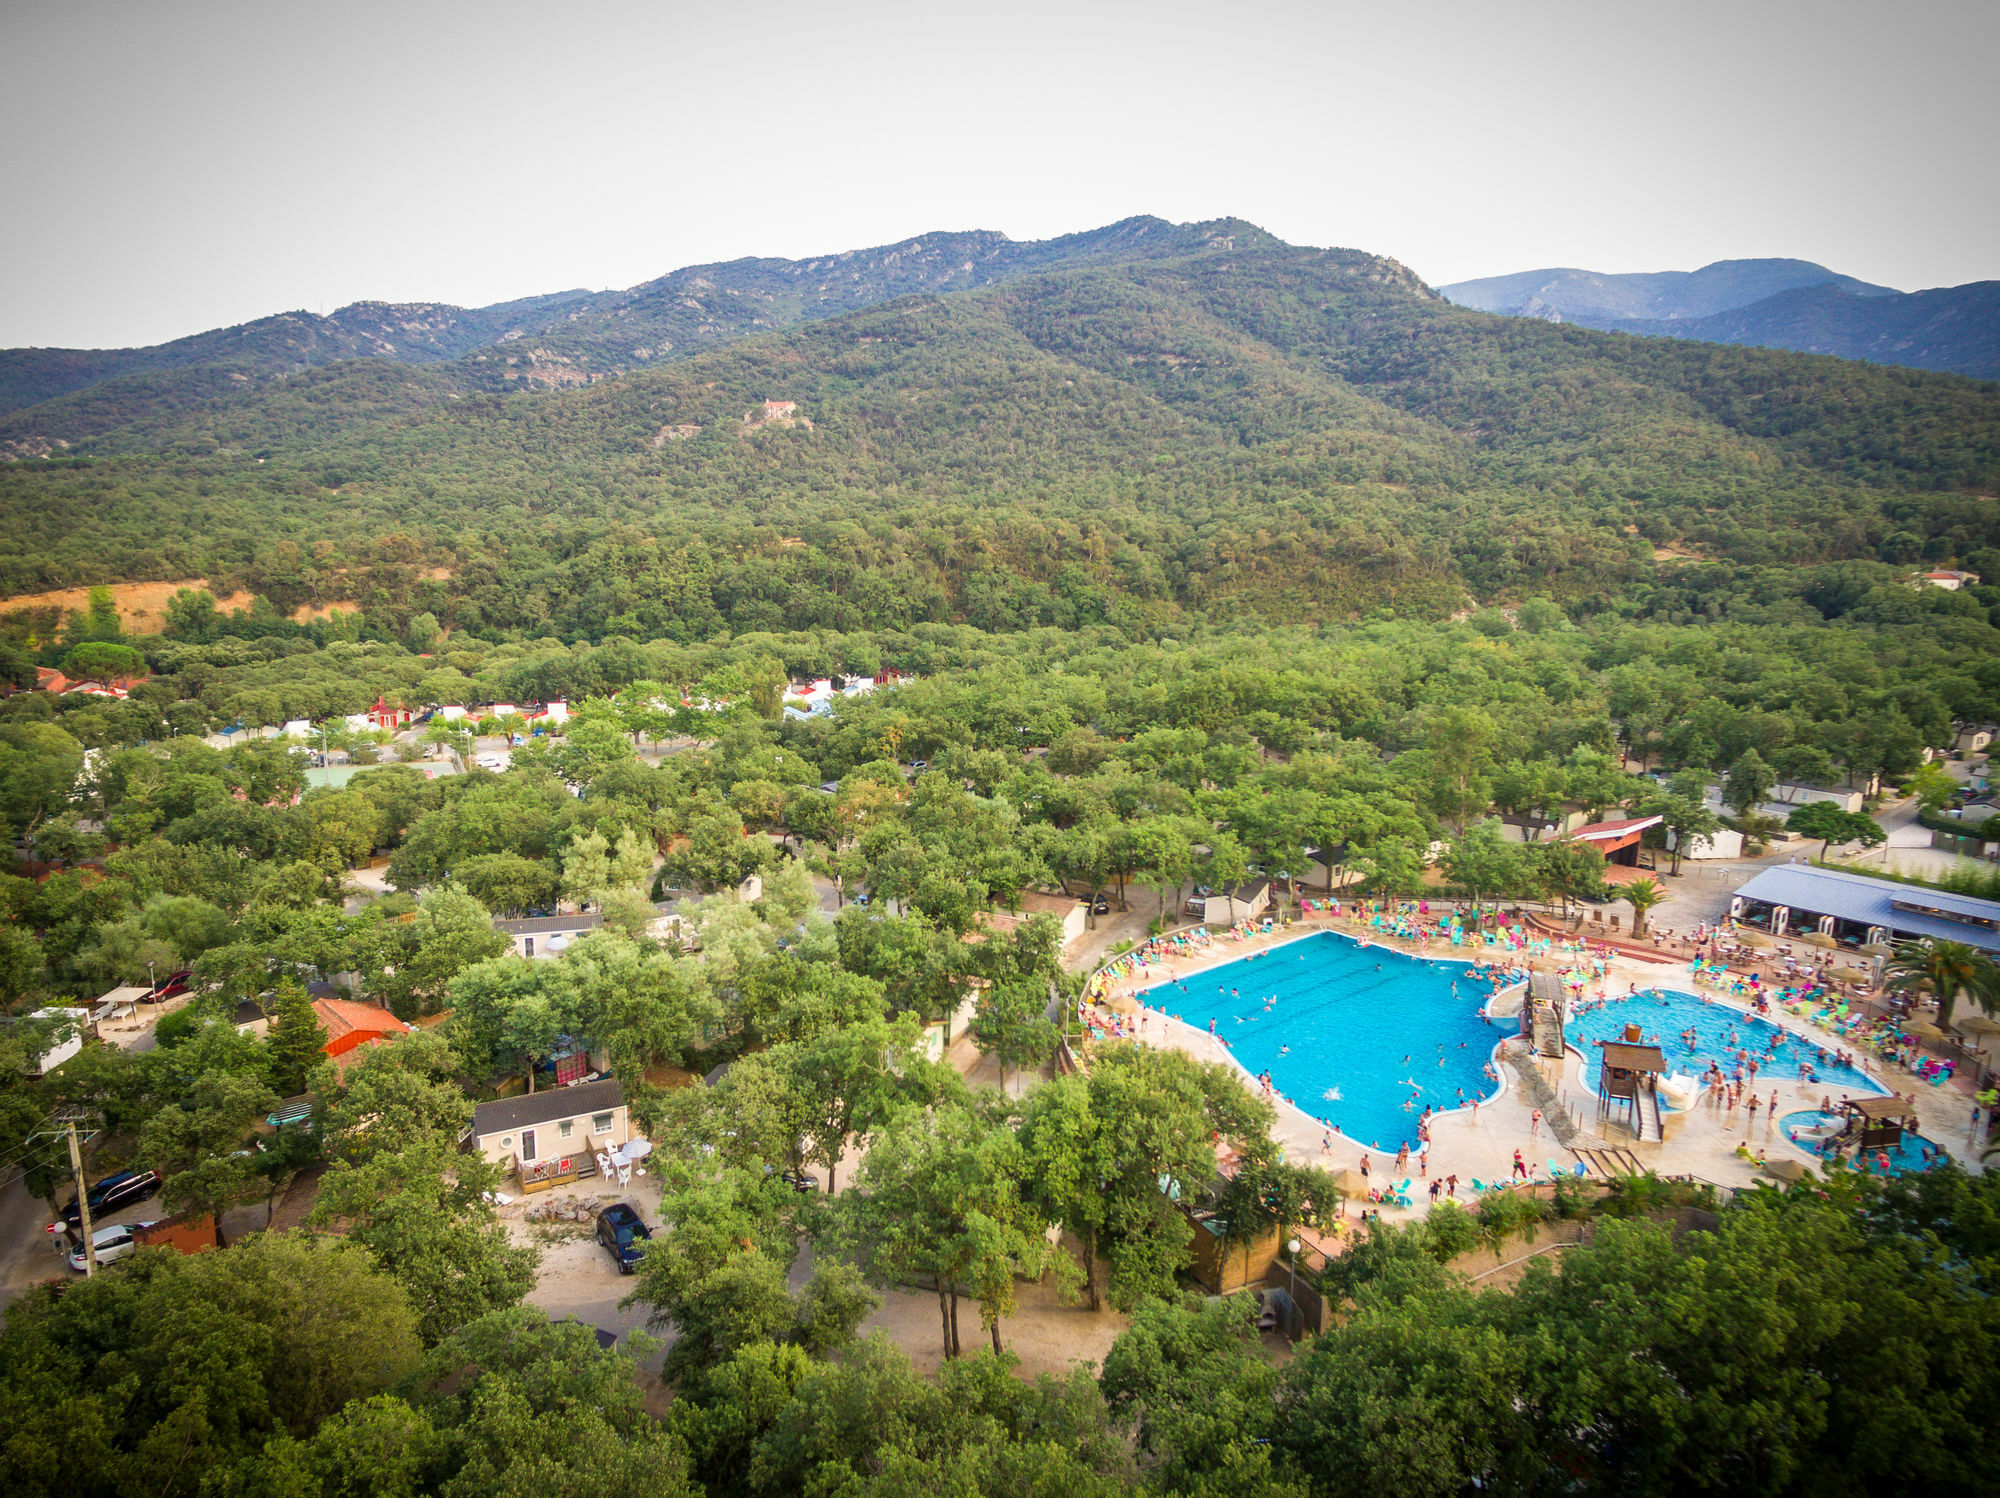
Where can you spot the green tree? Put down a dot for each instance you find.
(1485, 862)
(298, 1040)
(1642, 895)
(1832, 823)
(423, 1212)
(1750, 781)
(39, 765)
(201, 1147)
(1948, 971)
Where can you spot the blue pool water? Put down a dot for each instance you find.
(1664, 1014)
(1359, 1021)
(1907, 1156)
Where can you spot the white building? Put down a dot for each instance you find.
(66, 1041)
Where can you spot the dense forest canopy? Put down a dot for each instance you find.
(1162, 569)
(1300, 433)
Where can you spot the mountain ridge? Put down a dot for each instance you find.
(1788, 304)
(572, 337)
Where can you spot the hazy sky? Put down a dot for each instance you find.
(172, 167)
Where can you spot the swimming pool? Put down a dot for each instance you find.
(1375, 1036)
(1663, 1014)
(1907, 1156)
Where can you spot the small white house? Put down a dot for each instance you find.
(451, 712)
(66, 1041)
(547, 935)
(1724, 842)
(295, 728)
(1241, 902)
(546, 1137)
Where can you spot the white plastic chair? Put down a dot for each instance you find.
(625, 1175)
(604, 1165)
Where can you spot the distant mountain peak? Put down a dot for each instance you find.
(1790, 304)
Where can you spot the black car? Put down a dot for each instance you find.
(623, 1235)
(112, 1193)
(799, 1180)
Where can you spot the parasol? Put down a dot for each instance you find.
(1351, 1184)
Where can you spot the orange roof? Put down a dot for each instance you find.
(349, 1024)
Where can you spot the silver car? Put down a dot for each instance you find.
(112, 1244)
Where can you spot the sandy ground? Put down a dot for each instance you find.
(144, 605)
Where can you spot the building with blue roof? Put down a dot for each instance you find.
(1799, 899)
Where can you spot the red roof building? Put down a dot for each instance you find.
(349, 1025)
(1617, 841)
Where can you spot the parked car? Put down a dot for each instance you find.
(624, 1235)
(172, 986)
(1100, 906)
(111, 1194)
(112, 1244)
(920, 764)
(799, 1180)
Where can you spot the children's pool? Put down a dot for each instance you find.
(1721, 1031)
(1800, 1129)
(1374, 1036)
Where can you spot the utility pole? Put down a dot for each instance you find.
(82, 1205)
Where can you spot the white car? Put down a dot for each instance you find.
(112, 1244)
(490, 762)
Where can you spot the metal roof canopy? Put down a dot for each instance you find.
(1868, 902)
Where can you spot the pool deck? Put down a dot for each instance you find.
(1481, 1141)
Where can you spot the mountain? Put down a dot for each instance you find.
(572, 337)
(1598, 300)
(1955, 328)
(1137, 429)
(1789, 304)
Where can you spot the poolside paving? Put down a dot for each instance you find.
(1480, 1142)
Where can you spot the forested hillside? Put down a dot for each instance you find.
(1305, 434)
(573, 337)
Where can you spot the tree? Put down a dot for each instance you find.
(1011, 1025)
(1485, 862)
(1097, 1146)
(1196, 1388)
(1642, 895)
(180, 1366)
(297, 1040)
(452, 932)
(1750, 781)
(200, 1147)
(1569, 870)
(1685, 816)
(39, 765)
(1832, 823)
(507, 883)
(939, 1194)
(100, 660)
(855, 1078)
(1948, 971)
(733, 1236)
(423, 1212)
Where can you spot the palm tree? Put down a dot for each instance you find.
(1948, 971)
(1642, 895)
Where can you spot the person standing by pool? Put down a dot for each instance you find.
(1364, 1165)
(1520, 1166)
